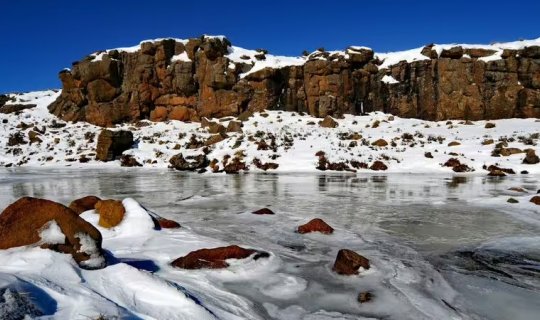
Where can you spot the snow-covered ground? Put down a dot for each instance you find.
(297, 139)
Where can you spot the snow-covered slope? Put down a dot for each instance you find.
(297, 139)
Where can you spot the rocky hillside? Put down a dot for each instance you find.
(172, 79)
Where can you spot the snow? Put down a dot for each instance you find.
(389, 79)
(392, 58)
(236, 54)
(51, 233)
(157, 141)
(181, 57)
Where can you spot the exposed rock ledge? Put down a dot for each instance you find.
(207, 77)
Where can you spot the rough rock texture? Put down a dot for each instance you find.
(111, 213)
(84, 204)
(316, 225)
(215, 258)
(348, 262)
(150, 84)
(22, 222)
(111, 144)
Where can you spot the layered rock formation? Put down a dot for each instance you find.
(190, 79)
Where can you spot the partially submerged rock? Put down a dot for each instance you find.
(215, 258)
(53, 226)
(316, 225)
(535, 200)
(111, 213)
(263, 211)
(84, 204)
(349, 262)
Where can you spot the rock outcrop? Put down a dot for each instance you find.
(195, 78)
(53, 226)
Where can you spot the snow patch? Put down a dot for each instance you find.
(51, 233)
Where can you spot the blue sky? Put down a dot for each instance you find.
(39, 38)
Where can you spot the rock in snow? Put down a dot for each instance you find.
(22, 223)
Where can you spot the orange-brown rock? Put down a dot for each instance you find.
(149, 83)
(168, 224)
(315, 225)
(22, 222)
(111, 213)
(84, 204)
(263, 211)
(348, 262)
(535, 200)
(379, 143)
(214, 258)
(328, 122)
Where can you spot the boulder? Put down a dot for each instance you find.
(349, 262)
(263, 211)
(315, 225)
(14, 108)
(167, 224)
(84, 204)
(189, 163)
(379, 143)
(378, 166)
(454, 143)
(111, 144)
(111, 213)
(53, 226)
(328, 122)
(535, 200)
(234, 126)
(531, 157)
(215, 258)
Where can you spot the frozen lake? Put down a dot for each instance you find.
(442, 247)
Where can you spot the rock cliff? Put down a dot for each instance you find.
(207, 77)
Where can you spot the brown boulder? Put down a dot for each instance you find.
(315, 225)
(215, 258)
(189, 163)
(84, 204)
(328, 122)
(531, 157)
(379, 143)
(111, 144)
(535, 200)
(348, 262)
(452, 53)
(234, 126)
(263, 211)
(489, 125)
(167, 224)
(23, 221)
(378, 166)
(454, 143)
(111, 213)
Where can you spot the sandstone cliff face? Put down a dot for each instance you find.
(191, 79)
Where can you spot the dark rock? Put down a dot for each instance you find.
(348, 262)
(13, 108)
(111, 144)
(190, 163)
(263, 211)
